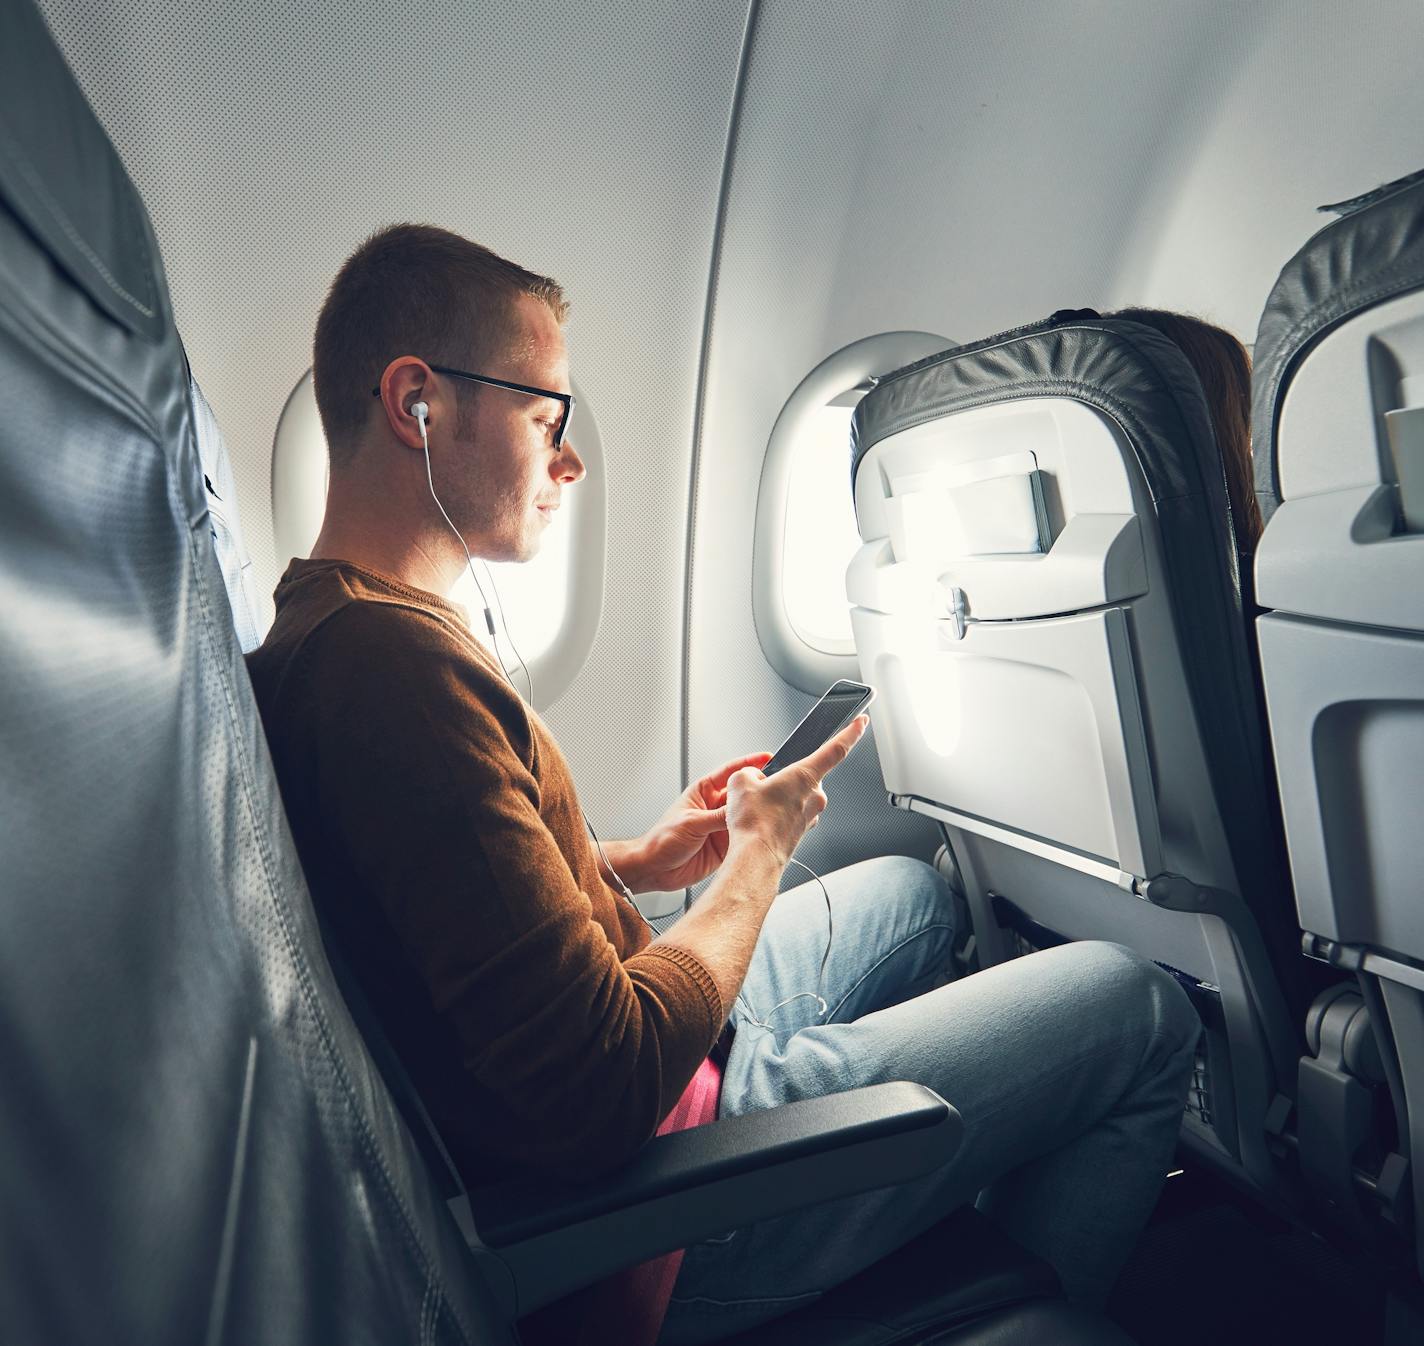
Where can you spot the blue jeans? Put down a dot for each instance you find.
(1069, 1067)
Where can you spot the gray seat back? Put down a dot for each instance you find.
(1339, 407)
(1048, 600)
(196, 1145)
(1338, 429)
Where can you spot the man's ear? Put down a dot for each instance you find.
(404, 382)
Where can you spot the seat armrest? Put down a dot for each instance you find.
(553, 1238)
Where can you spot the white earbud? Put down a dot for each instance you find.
(420, 410)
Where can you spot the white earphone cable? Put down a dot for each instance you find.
(470, 562)
(603, 855)
(489, 622)
(508, 634)
(818, 995)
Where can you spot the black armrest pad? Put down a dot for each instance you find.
(693, 1184)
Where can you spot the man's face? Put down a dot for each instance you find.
(508, 478)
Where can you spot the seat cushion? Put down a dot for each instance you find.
(955, 1272)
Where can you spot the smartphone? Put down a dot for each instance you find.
(840, 705)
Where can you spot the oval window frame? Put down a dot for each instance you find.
(300, 475)
(805, 666)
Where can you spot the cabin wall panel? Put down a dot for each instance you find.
(1324, 107)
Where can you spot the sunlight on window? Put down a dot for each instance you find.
(821, 536)
(534, 595)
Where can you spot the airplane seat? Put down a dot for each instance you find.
(1338, 430)
(198, 1145)
(231, 551)
(1047, 598)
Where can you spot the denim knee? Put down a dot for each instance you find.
(1144, 993)
(914, 885)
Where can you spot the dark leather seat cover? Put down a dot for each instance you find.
(194, 1146)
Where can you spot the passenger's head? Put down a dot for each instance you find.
(413, 289)
(414, 297)
(1223, 368)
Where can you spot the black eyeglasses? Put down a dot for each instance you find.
(566, 399)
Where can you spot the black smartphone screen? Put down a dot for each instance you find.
(831, 713)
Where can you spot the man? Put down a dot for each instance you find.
(543, 1026)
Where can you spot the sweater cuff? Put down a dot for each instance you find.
(701, 978)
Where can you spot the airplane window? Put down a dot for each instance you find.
(805, 527)
(551, 604)
(298, 474)
(821, 535)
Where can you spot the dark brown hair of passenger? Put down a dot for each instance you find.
(412, 289)
(1223, 369)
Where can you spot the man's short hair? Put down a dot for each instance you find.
(412, 289)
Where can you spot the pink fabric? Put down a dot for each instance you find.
(629, 1307)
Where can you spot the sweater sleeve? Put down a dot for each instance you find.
(423, 762)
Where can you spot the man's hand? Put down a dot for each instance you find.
(778, 810)
(764, 817)
(689, 841)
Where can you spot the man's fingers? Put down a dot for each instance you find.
(719, 778)
(747, 774)
(836, 749)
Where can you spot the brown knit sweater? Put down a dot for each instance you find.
(442, 840)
